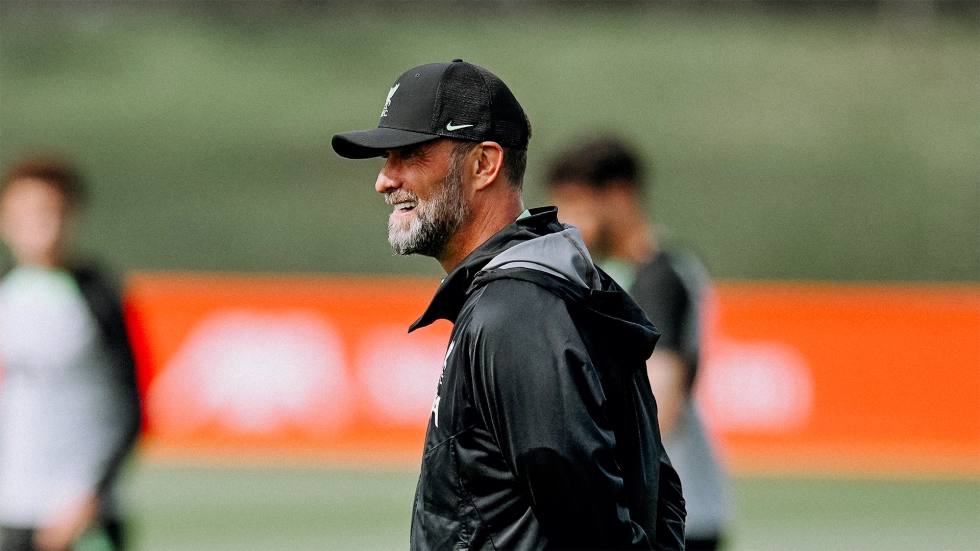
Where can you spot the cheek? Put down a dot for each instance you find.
(31, 226)
(590, 232)
(580, 215)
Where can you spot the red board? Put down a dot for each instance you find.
(270, 367)
(872, 378)
(797, 377)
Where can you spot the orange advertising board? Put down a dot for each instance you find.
(853, 378)
(796, 377)
(285, 367)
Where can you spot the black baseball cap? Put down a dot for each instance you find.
(441, 100)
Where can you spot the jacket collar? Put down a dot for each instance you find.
(452, 294)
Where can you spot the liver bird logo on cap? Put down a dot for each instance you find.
(384, 112)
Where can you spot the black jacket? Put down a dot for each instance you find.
(543, 433)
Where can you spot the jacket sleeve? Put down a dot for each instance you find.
(541, 398)
(107, 309)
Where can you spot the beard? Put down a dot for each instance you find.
(436, 220)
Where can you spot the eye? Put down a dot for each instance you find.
(385, 155)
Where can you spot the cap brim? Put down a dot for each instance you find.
(364, 144)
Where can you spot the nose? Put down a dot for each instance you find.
(387, 178)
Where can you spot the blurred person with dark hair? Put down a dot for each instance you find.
(543, 433)
(598, 187)
(69, 406)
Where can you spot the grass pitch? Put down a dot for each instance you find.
(198, 508)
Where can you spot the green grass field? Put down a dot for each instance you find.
(191, 508)
(790, 145)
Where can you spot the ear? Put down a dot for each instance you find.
(486, 160)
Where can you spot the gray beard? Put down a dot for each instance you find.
(435, 222)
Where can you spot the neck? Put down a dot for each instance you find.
(52, 257)
(47, 262)
(485, 221)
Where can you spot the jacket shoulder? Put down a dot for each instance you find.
(513, 304)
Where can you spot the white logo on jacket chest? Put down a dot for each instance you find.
(435, 403)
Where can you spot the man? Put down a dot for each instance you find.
(597, 186)
(543, 432)
(69, 408)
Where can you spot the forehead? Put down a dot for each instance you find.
(33, 189)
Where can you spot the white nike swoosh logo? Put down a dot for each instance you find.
(457, 127)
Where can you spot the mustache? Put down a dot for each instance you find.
(400, 196)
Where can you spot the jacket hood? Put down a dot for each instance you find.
(562, 254)
(541, 250)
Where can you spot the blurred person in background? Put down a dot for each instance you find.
(543, 433)
(598, 187)
(69, 407)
